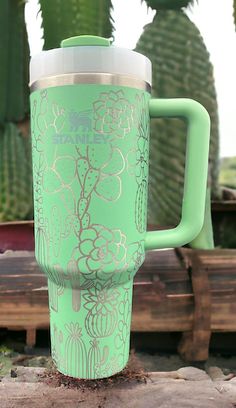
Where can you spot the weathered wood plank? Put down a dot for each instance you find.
(194, 345)
(163, 297)
(186, 387)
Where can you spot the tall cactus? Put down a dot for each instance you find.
(235, 12)
(15, 170)
(64, 19)
(15, 155)
(14, 47)
(181, 68)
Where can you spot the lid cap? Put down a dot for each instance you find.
(88, 53)
(91, 40)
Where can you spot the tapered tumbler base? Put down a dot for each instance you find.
(90, 329)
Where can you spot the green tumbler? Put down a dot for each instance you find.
(90, 115)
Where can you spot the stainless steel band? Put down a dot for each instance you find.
(90, 78)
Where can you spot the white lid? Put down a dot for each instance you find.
(89, 54)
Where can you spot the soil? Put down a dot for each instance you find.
(151, 379)
(132, 373)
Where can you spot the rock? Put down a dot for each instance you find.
(227, 389)
(193, 374)
(24, 374)
(216, 374)
(164, 375)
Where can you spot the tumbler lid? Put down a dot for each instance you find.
(89, 54)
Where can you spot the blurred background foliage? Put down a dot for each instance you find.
(181, 67)
(228, 172)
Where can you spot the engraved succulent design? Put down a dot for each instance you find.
(101, 302)
(113, 114)
(101, 250)
(101, 299)
(90, 266)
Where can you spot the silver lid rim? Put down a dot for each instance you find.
(90, 78)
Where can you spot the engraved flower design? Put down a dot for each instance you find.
(113, 114)
(101, 250)
(101, 299)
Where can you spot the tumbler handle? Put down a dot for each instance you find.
(196, 168)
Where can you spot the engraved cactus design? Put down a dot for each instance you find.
(39, 167)
(75, 351)
(140, 207)
(41, 248)
(141, 164)
(137, 163)
(101, 303)
(114, 365)
(113, 114)
(90, 263)
(99, 171)
(55, 284)
(96, 359)
(56, 230)
(77, 282)
(122, 338)
(57, 345)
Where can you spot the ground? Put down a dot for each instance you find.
(150, 381)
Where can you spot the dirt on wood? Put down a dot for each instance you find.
(132, 373)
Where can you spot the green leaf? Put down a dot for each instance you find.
(63, 19)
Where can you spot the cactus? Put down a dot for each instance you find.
(15, 175)
(15, 145)
(235, 12)
(68, 18)
(181, 68)
(14, 101)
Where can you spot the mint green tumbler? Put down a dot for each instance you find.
(90, 114)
